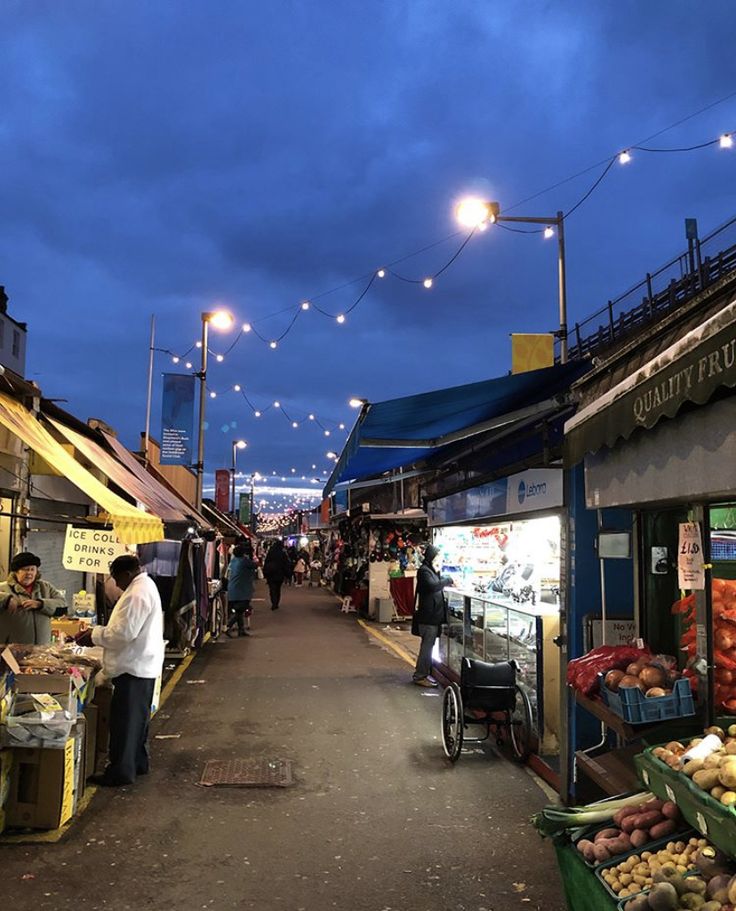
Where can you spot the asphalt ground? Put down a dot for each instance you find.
(377, 820)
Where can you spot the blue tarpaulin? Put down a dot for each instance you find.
(401, 432)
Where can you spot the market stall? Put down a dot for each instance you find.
(669, 845)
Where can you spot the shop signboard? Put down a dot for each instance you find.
(222, 489)
(690, 567)
(539, 488)
(91, 550)
(177, 419)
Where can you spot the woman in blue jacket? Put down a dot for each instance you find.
(241, 575)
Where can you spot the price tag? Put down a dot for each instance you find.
(670, 793)
(690, 568)
(701, 823)
(645, 777)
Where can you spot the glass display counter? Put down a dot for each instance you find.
(490, 628)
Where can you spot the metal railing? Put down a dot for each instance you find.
(658, 294)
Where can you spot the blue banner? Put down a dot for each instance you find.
(177, 419)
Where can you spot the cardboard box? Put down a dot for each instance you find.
(42, 788)
(59, 684)
(91, 713)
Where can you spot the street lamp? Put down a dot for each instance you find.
(476, 213)
(220, 319)
(237, 444)
(355, 402)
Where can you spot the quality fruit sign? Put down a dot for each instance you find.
(91, 550)
(690, 568)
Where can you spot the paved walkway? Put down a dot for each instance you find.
(377, 819)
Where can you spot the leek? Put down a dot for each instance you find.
(553, 819)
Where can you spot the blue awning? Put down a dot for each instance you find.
(404, 431)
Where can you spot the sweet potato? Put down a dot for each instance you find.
(620, 815)
(662, 829)
(614, 846)
(639, 837)
(585, 846)
(601, 853)
(606, 833)
(669, 810)
(641, 820)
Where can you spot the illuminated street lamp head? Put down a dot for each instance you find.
(218, 319)
(726, 141)
(240, 444)
(549, 232)
(472, 212)
(357, 403)
(332, 455)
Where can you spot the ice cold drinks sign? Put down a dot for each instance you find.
(91, 550)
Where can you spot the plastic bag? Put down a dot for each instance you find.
(582, 673)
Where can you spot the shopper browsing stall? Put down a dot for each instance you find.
(241, 574)
(133, 644)
(430, 614)
(27, 603)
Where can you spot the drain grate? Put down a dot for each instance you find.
(247, 773)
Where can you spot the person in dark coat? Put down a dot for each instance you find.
(276, 568)
(241, 574)
(430, 614)
(27, 603)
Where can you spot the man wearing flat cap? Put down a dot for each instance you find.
(27, 603)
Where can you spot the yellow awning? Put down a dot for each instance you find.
(132, 525)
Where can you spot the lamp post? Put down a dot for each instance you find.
(237, 444)
(220, 319)
(473, 213)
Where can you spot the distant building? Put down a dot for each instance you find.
(12, 339)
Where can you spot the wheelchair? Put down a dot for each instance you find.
(489, 696)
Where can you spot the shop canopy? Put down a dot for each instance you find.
(130, 478)
(691, 370)
(132, 525)
(401, 432)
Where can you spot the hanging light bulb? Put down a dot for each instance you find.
(427, 282)
(726, 141)
(220, 358)
(175, 359)
(277, 404)
(213, 395)
(340, 318)
(305, 305)
(198, 344)
(247, 327)
(236, 388)
(381, 273)
(314, 467)
(294, 424)
(188, 365)
(624, 157)
(273, 344)
(341, 426)
(256, 413)
(311, 417)
(327, 433)
(549, 231)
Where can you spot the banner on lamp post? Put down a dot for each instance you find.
(222, 489)
(177, 419)
(244, 509)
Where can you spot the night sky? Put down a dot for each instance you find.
(167, 158)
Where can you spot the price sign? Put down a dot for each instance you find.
(690, 570)
(702, 824)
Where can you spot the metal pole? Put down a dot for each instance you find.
(202, 402)
(233, 476)
(150, 389)
(563, 285)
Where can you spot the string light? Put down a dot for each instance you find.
(257, 413)
(175, 359)
(213, 395)
(311, 417)
(726, 141)
(294, 424)
(624, 157)
(340, 318)
(305, 305)
(273, 344)
(381, 273)
(428, 282)
(198, 344)
(277, 404)
(236, 388)
(188, 365)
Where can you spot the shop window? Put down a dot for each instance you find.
(16, 343)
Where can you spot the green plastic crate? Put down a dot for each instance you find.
(705, 814)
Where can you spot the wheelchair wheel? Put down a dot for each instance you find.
(520, 727)
(452, 722)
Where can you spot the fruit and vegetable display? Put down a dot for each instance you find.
(583, 674)
(706, 883)
(634, 826)
(653, 675)
(724, 638)
(709, 761)
(645, 871)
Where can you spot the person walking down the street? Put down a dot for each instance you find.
(133, 643)
(300, 567)
(27, 603)
(430, 614)
(276, 568)
(241, 574)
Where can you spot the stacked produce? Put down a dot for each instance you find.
(654, 676)
(713, 888)
(583, 674)
(710, 762)
(634, 826)
(724, 638)
(647, 870)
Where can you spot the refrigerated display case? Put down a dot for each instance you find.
(490, 629)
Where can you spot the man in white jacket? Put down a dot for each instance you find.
(133, 641)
